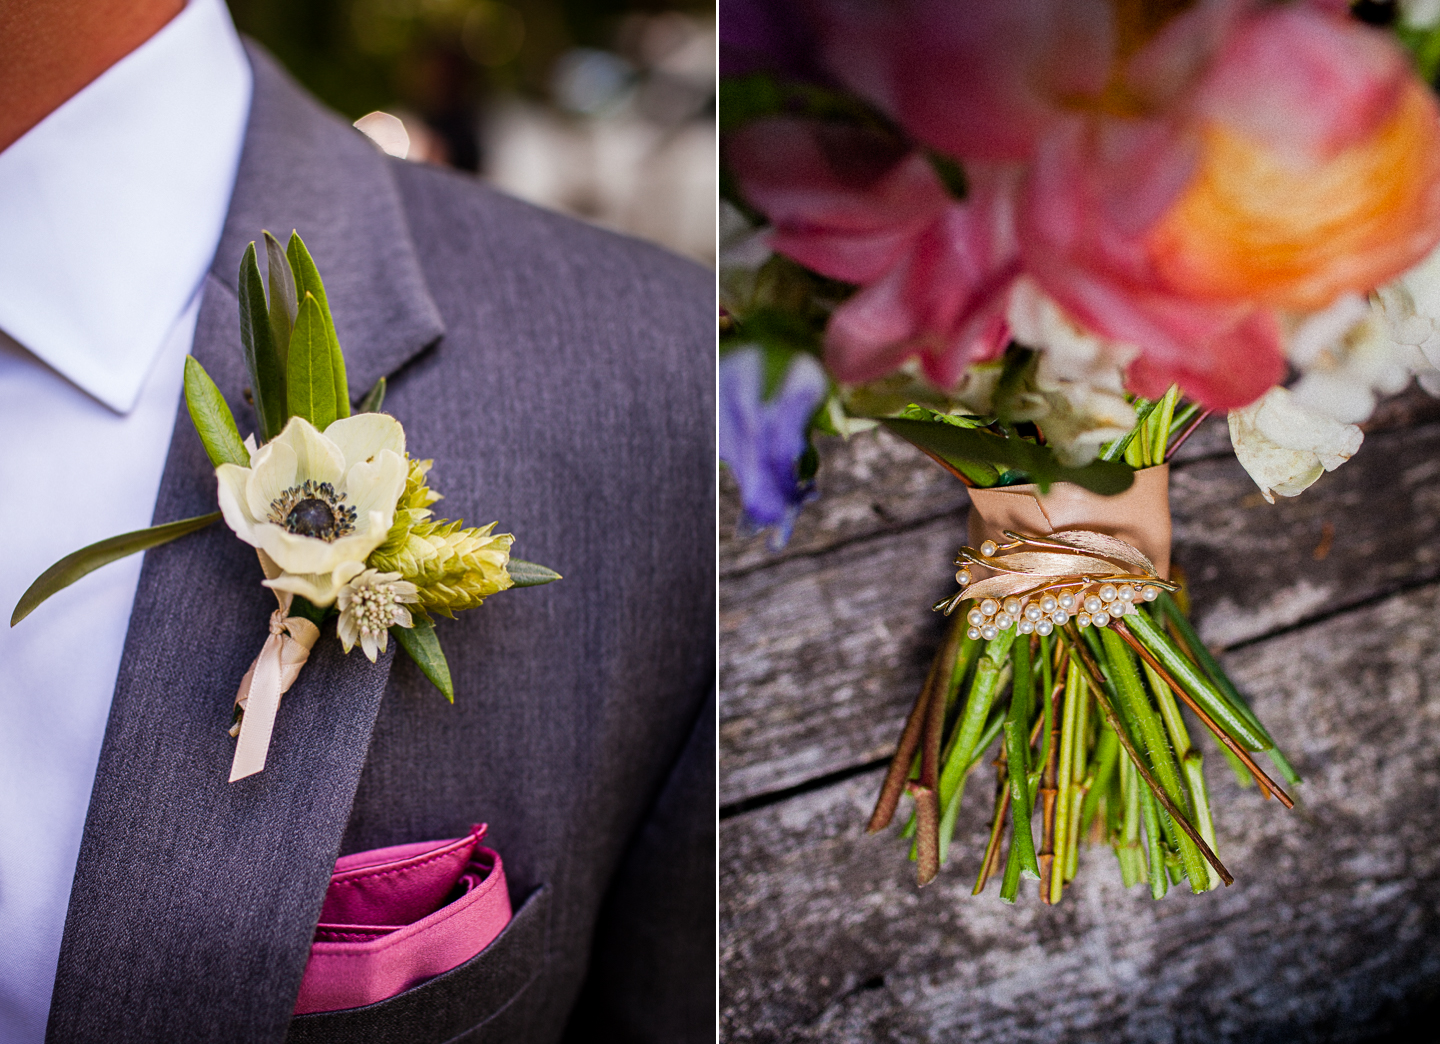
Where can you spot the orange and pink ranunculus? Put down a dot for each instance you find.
(1178, 177)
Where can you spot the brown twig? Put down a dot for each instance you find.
(1267, 785)
(1002, 805)
(1189, 430)
(1092, 671)
(1049, 791)
(894, 784)
(928, 840)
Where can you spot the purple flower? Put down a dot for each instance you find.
(762, 440)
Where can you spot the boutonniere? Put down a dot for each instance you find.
(337, 509)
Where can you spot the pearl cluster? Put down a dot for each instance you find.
(1088, 604)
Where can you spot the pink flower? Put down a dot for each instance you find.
(852, 206)
(1179, 183)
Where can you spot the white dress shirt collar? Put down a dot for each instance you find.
(112, 205)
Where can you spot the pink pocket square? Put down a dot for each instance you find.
(397, 916)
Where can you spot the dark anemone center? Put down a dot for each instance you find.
(311, 517)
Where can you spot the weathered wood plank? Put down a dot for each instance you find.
(1331, 933)
(817, 655)
(821, 654)
(872, 484)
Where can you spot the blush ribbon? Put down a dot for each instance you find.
(269, 678)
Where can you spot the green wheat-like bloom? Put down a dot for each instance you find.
(453, 568)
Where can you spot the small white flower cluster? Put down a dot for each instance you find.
(370, 605)
(1089, 604)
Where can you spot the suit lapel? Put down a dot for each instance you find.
(194, 899)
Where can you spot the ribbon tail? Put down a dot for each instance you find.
(262, 702)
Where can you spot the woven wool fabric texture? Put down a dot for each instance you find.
(562, 379)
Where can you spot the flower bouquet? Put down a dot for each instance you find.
(337, 510)
(1042, 242)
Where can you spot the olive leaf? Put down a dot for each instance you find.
(283, 302)
(307, 281)
(423, 645)
(528, 574)
(262, 358)
(88, 559)
(310, 376)
(212, 418)
(962, 447)
(374, 398)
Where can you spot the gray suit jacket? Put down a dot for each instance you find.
(561, 378)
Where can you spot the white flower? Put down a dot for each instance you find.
(370, 605)
(1347, 355)
(1419, 14)
(318, 504)
(1079, 399)
(1410, 307)
(744, 250)
(1285, 445)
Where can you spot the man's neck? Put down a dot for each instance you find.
(54, 48)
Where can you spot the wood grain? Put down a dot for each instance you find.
(1329, 933)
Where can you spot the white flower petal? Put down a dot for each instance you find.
(300, 554)
(320, 589)
(376, 485)
(272, 472)
(369, 534)
(365, 434)
(316, 457)
(1285, 446)
(346, 629)
(232, 480)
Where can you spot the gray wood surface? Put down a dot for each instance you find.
(1328, 603)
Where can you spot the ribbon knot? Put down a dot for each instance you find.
(269, 677)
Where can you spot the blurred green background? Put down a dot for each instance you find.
(601, 108)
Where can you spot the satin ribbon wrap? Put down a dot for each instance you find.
(1140, 516)
(269, 678)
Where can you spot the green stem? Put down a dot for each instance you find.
(1170, 711)
(1151, 730)
(1200, 797)
(1107, 752)
(1118, 449)
(1074, 693)
(1206, 659)
(1247, 733)
(1155, 843)
(1160, 426)
(1132, 861)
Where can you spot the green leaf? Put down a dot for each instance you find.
(307, 281)
(961, 447)
(212, 418)
(267, 372)
(423, 646)
(310, 378)
(88, 559)
(374, 398)
(283, 302)
(528, 574)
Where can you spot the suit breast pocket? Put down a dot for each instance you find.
(483, 1000)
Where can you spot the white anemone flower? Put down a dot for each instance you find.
(370, 605)
(1286, 445)
(318, 504)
